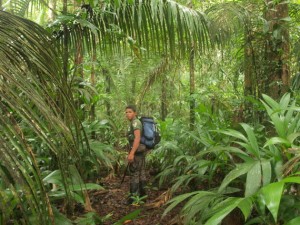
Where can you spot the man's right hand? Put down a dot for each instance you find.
(130, 158)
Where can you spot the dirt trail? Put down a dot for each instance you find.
(111, 201)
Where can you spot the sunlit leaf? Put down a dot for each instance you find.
(271, 194)
(240, 170)
(254, 178)
(266, 172)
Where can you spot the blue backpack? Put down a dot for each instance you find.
(150, 133)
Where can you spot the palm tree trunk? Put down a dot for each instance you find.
(192, 88)
(277, 50)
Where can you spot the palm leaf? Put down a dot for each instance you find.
(32, 92)
(163, 26)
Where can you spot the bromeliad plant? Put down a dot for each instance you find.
(256, 185)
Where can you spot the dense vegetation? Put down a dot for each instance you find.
(220, 77)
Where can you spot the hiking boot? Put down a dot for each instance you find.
(128, 201)
(134, 190)
(142, 190)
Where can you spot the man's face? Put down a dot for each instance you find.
(130, 114)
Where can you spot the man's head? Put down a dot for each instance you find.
(130, 112)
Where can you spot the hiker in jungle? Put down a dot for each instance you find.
(136, 155)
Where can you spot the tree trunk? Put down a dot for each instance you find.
(277, 50)
(51, 12)
(250, 81)
(192, 88)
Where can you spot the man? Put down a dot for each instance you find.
(136, 155)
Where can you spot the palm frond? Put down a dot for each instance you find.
(228, 18)
(33, 95)
(163, 26)
(23, 7)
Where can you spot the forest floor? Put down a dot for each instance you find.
(111, 202)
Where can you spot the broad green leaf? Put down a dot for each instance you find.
(271, 194)
(295, 221)
(280, 126)
(292, 180)
(54, 178)
(235, 134)
(240, 170)
(197, 205)
(246, 207)
(247, 146)
(266, 172)
(175, 201)
(271, 102)
(201, 196)
(253, 181)
(251, 139)
(284, 101)
(273, 110)
(277, 140)
(230, 205)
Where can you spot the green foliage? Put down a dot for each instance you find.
(42, 111)
(179, 155)
(75, 185)
(138, 200)
(255, 183)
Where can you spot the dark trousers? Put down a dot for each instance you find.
(138, 174)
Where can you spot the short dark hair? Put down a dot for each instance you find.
(132, 107)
